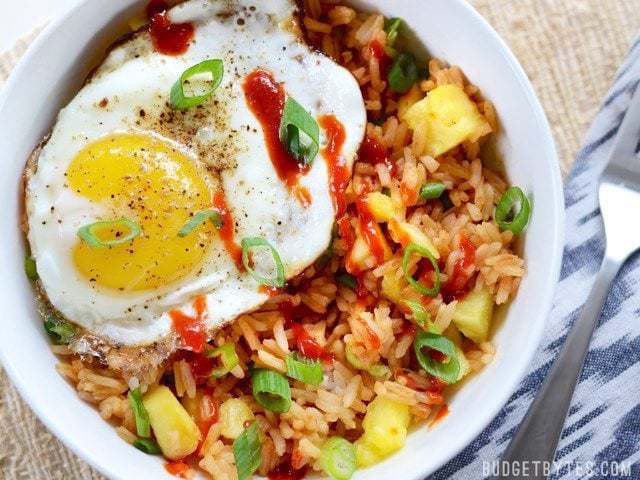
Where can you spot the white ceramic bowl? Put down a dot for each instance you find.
(53, 70)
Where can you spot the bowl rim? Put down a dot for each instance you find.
(545, 298)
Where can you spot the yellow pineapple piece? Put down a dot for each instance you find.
(381, 206)
(406, 233)
(176, 432)
(448, 117)
(234, 415)
(392, 288)
(409, 99)
(361, 254)
(385, 430)
(473, 315)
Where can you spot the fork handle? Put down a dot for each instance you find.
(539, 432)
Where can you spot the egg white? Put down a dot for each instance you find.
(135, 78)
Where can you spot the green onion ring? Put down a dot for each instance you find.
(294, 120)
(338, 458)
(403, 73)
(60, 332)
(421, 317)
(30, 268)
(87, 234)
(271, 390)
(347, 280)
(143, 426)
(432, 190)
(198, 219)
(423, 252)
(304, 369)
(179, 101)
(247, 452)
(252, 242)
(392, 28)
(147, 446)
(506, 219)
(228, 358)
(447, 371)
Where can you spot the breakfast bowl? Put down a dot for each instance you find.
(69, 55)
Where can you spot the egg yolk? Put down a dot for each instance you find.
(155, 185)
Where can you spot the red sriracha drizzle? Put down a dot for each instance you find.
(192, 331)
(307, 346)
(285, 471)
(377, 50)
(370, 230)
(456, 286)
(373, 152)
(266, 99)
(339, 174)
(177, 469)
(227, 231)
(345, 231)
(168, 38)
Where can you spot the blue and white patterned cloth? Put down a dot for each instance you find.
(602, 430)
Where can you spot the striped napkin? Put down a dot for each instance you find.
(601, 437)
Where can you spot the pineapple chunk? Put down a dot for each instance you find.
(385, 430)
(448, 117)
(234, 414)
(176, 432)
(409, 99)
(366, 456)
(392, 288)
(381, 206)
(473, 315)
(360, 253)
(405, 233)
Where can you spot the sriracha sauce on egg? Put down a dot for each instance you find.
(266, 99)
(191, 330)
(168, 38)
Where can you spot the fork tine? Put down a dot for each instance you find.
(624, 155)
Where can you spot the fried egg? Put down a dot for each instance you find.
(119, 150)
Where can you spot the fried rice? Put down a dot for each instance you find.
(333, 314)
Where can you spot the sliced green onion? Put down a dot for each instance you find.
(431, 191)
(294, 120)
(247, 452)
(447, 371)
(30, 268)
(378, 370)
(347, 280)
(253, 242)
(59, 331)
(147, 446)
(118, 227)
(421, 317)
(271, 390)
(423, 252)
(304, 369)
(403, 73)
(180, 101)
(143, 426)
(392, 27)
(198, 219)
(355, 361)
(508, 219)
(228, 358)
(338, 458)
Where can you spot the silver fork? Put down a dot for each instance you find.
(619, 193)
